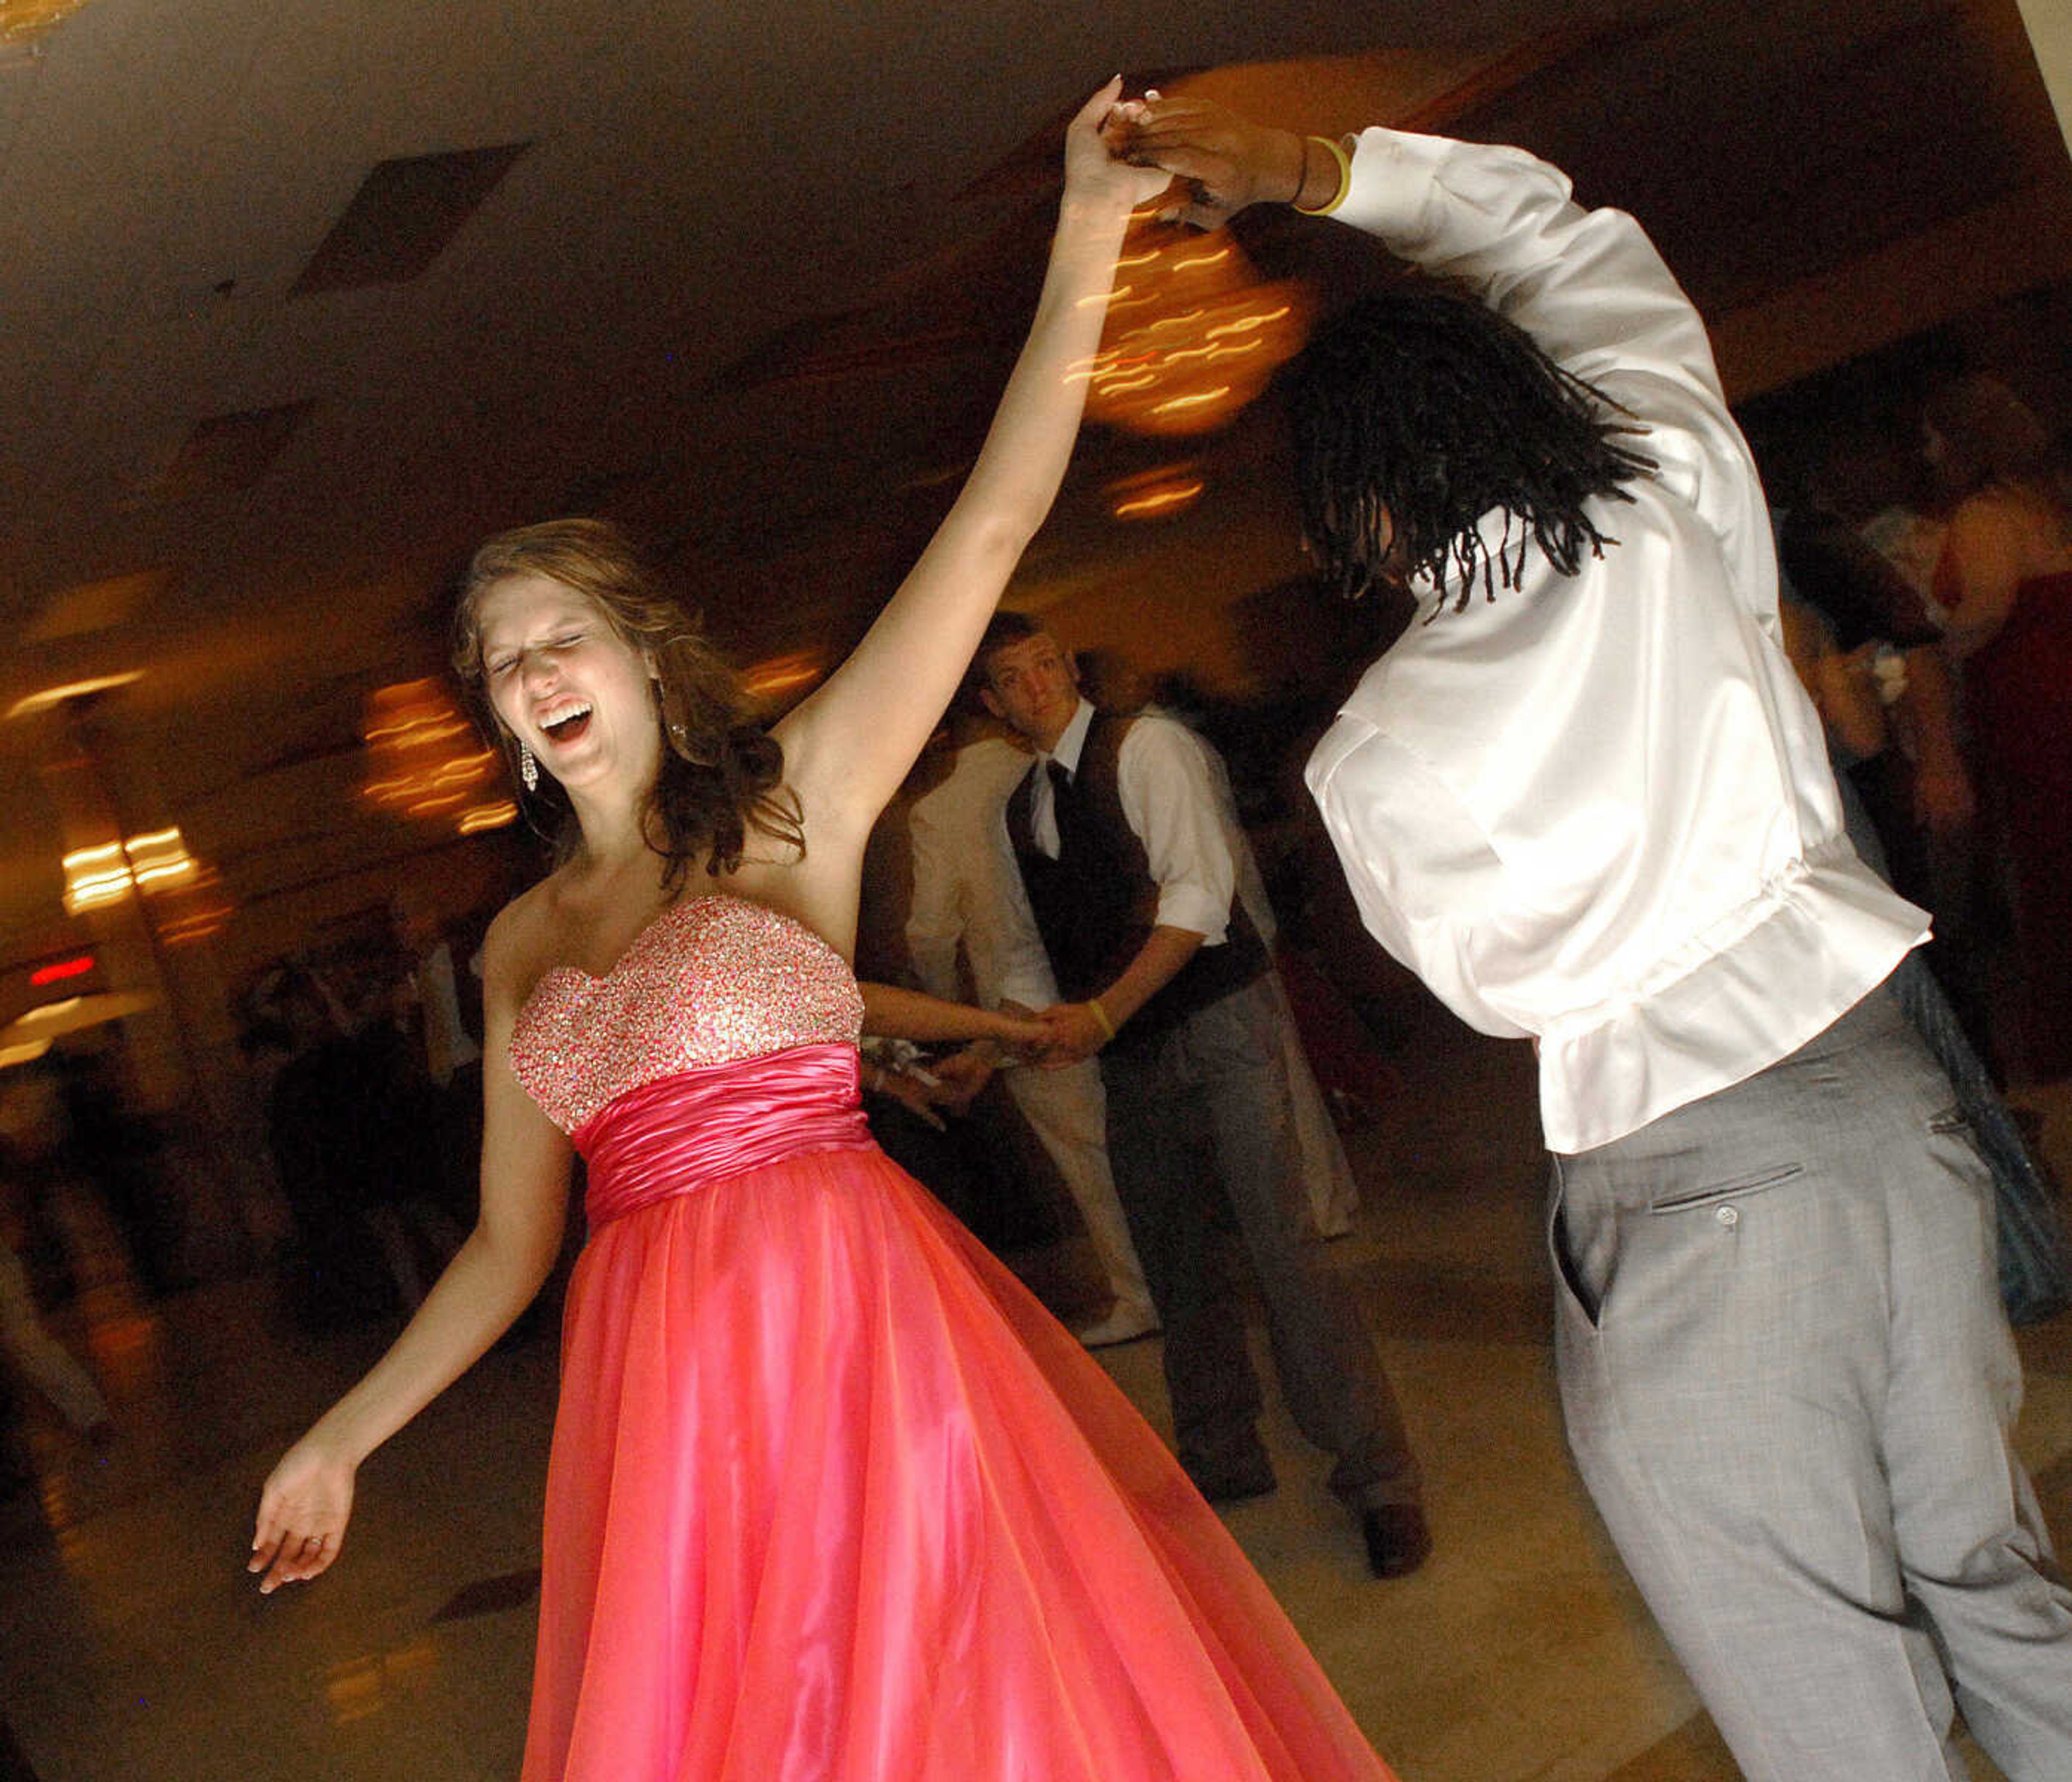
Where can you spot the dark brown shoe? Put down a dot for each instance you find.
(1398, 1542)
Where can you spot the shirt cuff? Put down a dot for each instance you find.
(1026, 991)
(1390, 193)
(1190, 907)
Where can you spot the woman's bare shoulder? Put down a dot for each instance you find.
(519, 945)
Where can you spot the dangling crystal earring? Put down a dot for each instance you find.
(528, 769)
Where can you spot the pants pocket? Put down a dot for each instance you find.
(1576, 1298)
(1739, 1187)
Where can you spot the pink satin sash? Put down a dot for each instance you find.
(679, 1134)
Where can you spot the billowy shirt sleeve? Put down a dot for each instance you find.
(1395, 809)
(936, 917)
(1170, 799)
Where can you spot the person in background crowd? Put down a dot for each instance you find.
(1118, 828)
(439, 1006)
(2006, 578)
(969, 906)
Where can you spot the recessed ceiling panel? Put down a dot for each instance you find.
(227, 453)
(404, 212)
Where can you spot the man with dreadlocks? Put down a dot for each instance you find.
(1585, 800)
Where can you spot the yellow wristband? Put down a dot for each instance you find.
(1336, 150)
(1100, 1015)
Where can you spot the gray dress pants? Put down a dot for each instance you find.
(1791, 1389)
(1209, 1103)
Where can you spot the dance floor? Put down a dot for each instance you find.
(133, 1649)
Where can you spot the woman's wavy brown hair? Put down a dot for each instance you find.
(722, 773)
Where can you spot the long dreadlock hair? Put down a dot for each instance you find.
(1417, 414)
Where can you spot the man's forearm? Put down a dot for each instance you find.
(1165, 952)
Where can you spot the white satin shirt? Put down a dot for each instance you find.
(1596, 812)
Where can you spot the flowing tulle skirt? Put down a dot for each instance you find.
(832, 1499)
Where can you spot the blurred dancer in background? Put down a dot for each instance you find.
(1118, 828)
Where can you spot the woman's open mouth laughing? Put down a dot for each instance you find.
(565, 724)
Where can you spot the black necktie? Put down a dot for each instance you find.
(1064, 801)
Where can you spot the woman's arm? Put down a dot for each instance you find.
(847, 747)
(308, 1499)
(897, 1014)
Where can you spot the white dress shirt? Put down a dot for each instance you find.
(967, 890)
(1169, 799)
(1596, 811)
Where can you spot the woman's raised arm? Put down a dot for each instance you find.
(847, 748)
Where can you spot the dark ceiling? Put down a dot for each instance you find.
(298, 299)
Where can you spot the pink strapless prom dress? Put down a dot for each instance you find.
(831, 1498)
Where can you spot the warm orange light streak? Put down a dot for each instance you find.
(159, 875)
(1187, 353)
(1144, 506)
(488, 816)
(1192, 308)
(417, 730)
(95, 876)
(72, 689)
(425, 758)
(1245, 324)
(1176, 404)
(196, 926)
(784, 674)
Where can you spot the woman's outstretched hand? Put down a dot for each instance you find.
(1093, 168)
(1222, 162)
(303, 1509)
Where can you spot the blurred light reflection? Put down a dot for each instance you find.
(1155, 494)
(1192, 337)
(21, 20)
(776, 676)
(488, 816)
(51, 696)
(364, 1686)
(152, 863)
(425, 761)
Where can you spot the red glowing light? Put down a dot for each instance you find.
(58, 971)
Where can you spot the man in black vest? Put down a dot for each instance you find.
(1119, 836)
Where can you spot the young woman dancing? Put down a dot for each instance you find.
(830, 1495)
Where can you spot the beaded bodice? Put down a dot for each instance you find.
(712, 980)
